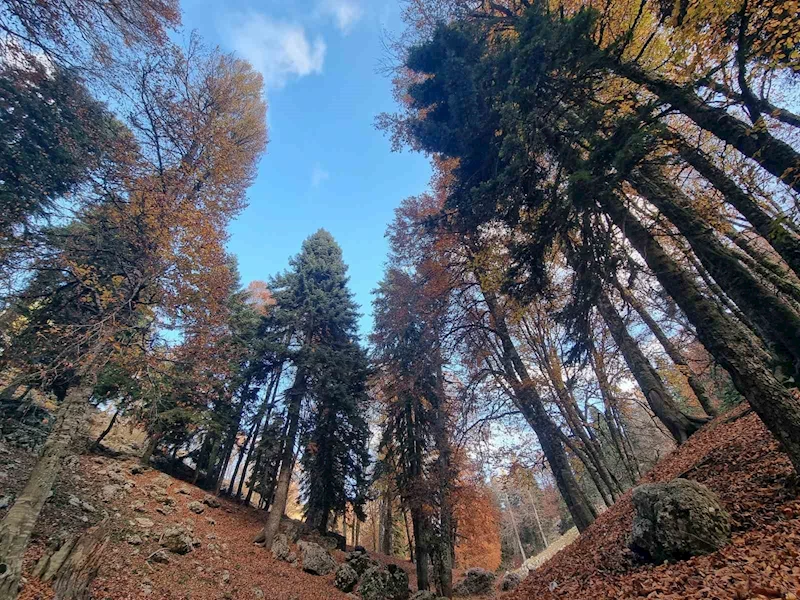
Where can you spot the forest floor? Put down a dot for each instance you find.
(137, 508)
(734, 455)
(738, 459)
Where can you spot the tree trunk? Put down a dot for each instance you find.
(674, 354)
(785, 243)
(150, 447)
(388, 522)
(516, 531)
(295, 397)
(74, 578)
(446, 476)
(418, 523)
(775, 155)
(729, 342)
(106, 431)
(779, 322)
(17, 525)
(529, 403)
(545, 541)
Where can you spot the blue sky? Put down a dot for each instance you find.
(326, 165)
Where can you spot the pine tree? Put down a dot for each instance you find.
(330, 370)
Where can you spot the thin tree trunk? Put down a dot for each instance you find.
(295, 399)
(408, 536)
(516, 531)
(775, 155)
(674, 354)
(106, 431)
(545, 541)
(445, 476)
(779, 322)
(785, 243)
(17, 525)
(679, 424)
(529, 403)
(388, 522)
(729, 342)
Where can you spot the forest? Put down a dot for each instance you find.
(579, 378)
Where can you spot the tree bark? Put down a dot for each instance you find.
(446, 476)
(530, 405)
(785, 242)
(17, 525)
(771, 315)
(516, 531)
(295, 396)
(775, 155)
(660, 401)
(672, 351)
(727, 340)
(388, 522)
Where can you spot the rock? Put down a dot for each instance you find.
(160, 557)
(139, 506)
(210, 521)
(138, 469)
(361, 563)
(360, 549)
(677, 520)
(346, 578)
(510, 581)
(280, 547)
(328, 541)
(424, 595)
(398, 583)
(185, 491)
(384, 584)
(226, 577)
(134, 540)
(110, 492)
(165, 510)
(211, 501)
(476, 582)
(196, 507)
(177, 539)
(5, 502)
(258, 593)
(316, 560)
(144, 522)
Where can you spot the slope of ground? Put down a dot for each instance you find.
(739, 460)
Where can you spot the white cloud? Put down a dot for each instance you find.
(345, 13)
(319, 175)
(279, 50)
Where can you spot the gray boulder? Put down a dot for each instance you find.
(177, 539)
(476, 582)
(346, 578)
(316, 560)
(677, 520)
(384, 584)
(211, 501)
(361, 563)
(510, 581)
(280, 547)
(196, 507)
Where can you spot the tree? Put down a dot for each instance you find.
(318, 317)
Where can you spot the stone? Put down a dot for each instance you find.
(185, 491)
(510, 581)
(165, 510)
(138, 469)
(144, 522)
(346, 578)
(134, 540)
(316, 560)
(177, 539)
(226, 577)
(677, 520)
(258, 593)
(384, 584)
(139, 506)
(5, 502)
(196, 507)
(280, 547)
(476, 582)
(110, 492)
(361, 563)
(160, 557)
(211, 501)
(424, 595)
(210, 521)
